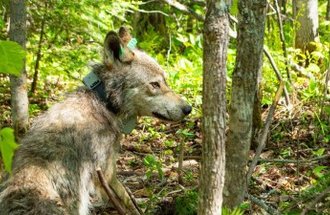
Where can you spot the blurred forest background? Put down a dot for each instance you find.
(160, 162)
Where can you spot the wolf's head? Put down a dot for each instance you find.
(135, 83)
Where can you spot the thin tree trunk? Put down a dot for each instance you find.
(19, 98)
(328, 10)
(250, 39)
(308, 22)
(216, 37)
(39, 55)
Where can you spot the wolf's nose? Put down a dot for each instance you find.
(187, 109)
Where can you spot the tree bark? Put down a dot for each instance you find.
(19, 98)
(216, 37)
(328, 10)
(39, 54)
(248, 65)
(308, 22)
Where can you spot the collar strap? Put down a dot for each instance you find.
(94, 83)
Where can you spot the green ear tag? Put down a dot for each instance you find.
(132, 43)
(121, 51)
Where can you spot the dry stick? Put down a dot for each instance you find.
(278, 75)
(183, 8)
(111, 194)
(295, 161)
(318, 198)
(132, 198)
(279, 19)
(181, 155)
(262, 204)
(327, 79)
(262, 138)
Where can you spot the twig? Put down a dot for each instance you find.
(132, 198)
(318, 198)
(295, 161)
(278, 75)
(183, 8)
(181, 155)
(262, 204)
(111, 194)
(152, 11)
(262, 138)
(327, 79)
(278, 12)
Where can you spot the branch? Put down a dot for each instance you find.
(262, 204)
(111, 194)
(318, 198)
(279, 19)
(262, 138)
(278, 75)
(183, 8)
(132, 198)
(295, 161)
(327, 78)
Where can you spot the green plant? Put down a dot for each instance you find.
(153, 164)
(11, 57)
(235, 211)
(187, 203)
(11, 62)
(7, 147)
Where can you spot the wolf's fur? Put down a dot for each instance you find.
(54, 169)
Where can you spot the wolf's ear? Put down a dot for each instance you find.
(124, 35)
(115, 47)
(112, 48)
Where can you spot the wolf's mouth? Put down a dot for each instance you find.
(160, 116)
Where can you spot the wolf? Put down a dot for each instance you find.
(54, 169)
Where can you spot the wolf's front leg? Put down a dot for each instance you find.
(121, 192)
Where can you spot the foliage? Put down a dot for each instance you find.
(153, 164)
(7, 147)
(235, 211)
(11, 62)
(11, 57)
(186, 204)
(73, 36)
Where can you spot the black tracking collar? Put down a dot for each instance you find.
(94, 83)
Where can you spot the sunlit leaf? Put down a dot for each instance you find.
(11, 57)
(318, 171)
(7, 147)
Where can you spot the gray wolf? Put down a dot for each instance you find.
(54, 169)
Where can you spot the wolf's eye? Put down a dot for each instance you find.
(155, 85)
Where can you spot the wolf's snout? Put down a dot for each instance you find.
(186, 109)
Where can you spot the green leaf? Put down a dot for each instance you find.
(318, 171)
(234, 8)
(11, 57)
(7, 147)
(2, 23)
(319, 152)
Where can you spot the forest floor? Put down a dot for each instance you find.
(290, 175)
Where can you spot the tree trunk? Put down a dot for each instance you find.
(251, 27)
(328, 10)
(39, 54)
(19, 98)
(216, 36)
(308, 22)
